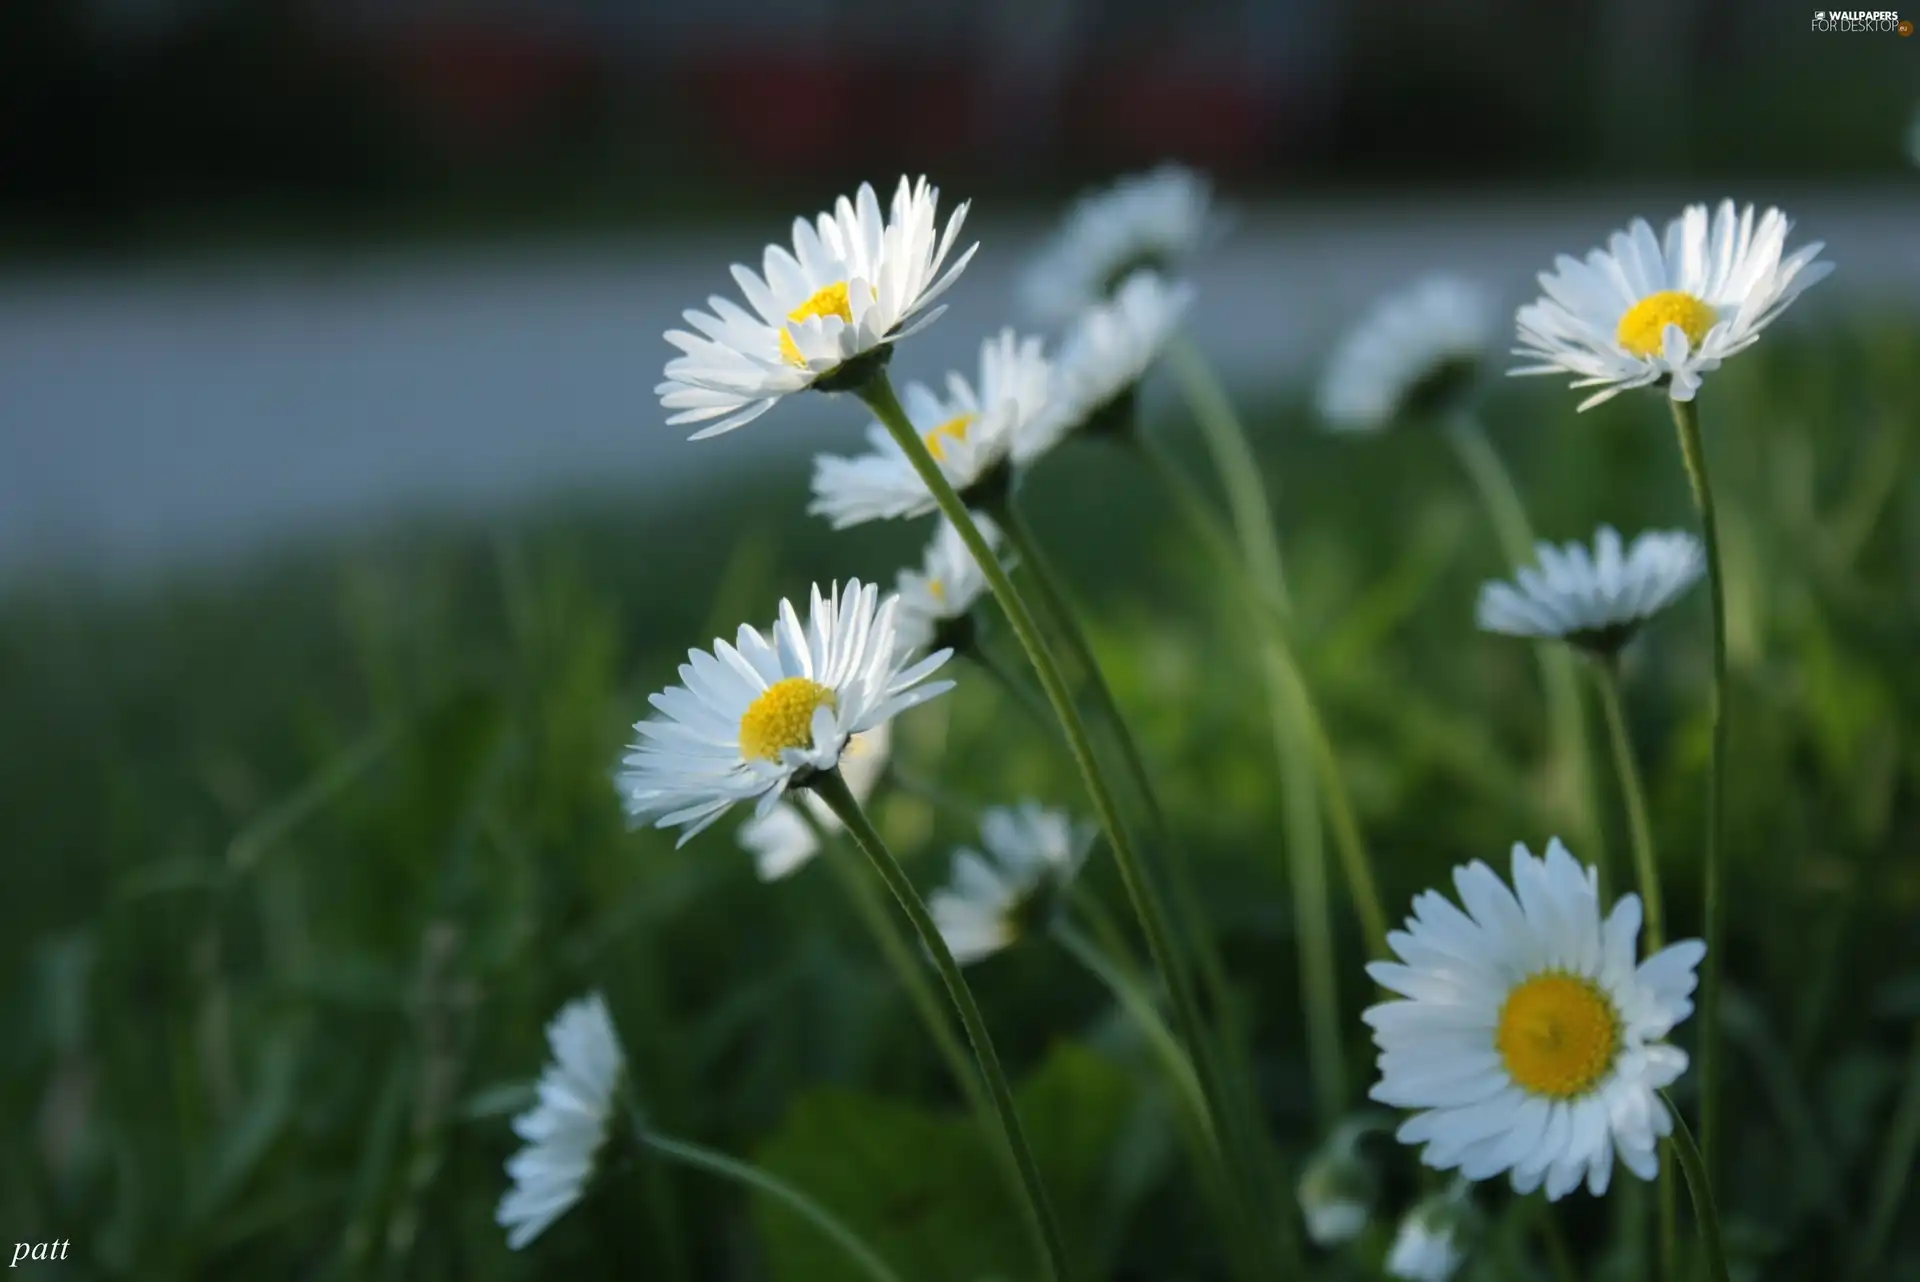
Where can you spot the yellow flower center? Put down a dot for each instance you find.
(937, 590)
(782, 718)
(1558, 1035)
(1642, 328)
(830, 301)
(954, 429)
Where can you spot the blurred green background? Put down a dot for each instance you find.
(309, 829)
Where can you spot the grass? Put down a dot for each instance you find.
(300, 860)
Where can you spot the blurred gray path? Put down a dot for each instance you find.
(169, 415)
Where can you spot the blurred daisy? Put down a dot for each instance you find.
(1411, 356)
(937, 600)
(565, 1129)
(1529, 1037)
(1428, 1245)
(1637, 313)
(1595, 601)
(1153, 220)
(1032, 853)
(782, 841)
(752, 718)
(849, 287)
(970, 434)
(1102, 361)
(1338, 1187)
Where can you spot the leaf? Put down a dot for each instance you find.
(926, 1191)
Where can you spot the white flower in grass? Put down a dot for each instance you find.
(1155, 219)
(1595, 601)
(1413, 354)
(1429, 1246)
(1339, 1186)
(1640, 312)
(1102, 360)
(939, 597)
(970, 432)
(782, 841)
(1032, 853)
(849, 287)
(1530, 1038)
(565, 1129)
(751, 718)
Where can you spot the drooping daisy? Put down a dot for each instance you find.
(851, 285)
(1639, 313)
(1032, 852)
(1413, 355)
(969, 432)
(937, 600)
(782, 841)
(565, 1129)
(751, 718)
(1338, 1187)
(1429, 1247)
(1529, 1038)
(1595, 601)
(1154, 220)
(1102, 360)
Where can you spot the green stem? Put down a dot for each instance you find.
(768, 1185)
(1896, 1167)
(1559, 1255)
(1566, 721)
(1012, 686)
(832, 789)
(878, 394)
(1700, 1187)
(1686, 419)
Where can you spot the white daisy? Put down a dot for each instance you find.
(1427, 1247)
(1031, 851)
(752, 717)
(1337, 1190)
(782, 841)
(849, 287)
(1530, 1039)
(1413, 354)
(938, 597)
(970, 434)
(1637, 313)
(1596, 601)
(565, 1129)
(1156, 219)
(1102, 361)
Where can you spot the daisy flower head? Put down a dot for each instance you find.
(1032, 853)
(820, 315)
(970, 431)
(937, 600)
(1338, 1188)
(1594, 600)
(782, 842)
(751, 719)
(1413, 356)
(1108, 351)
(1155, 220)
(1644, 311)
(1429, 1245)
(567, 1125)
(1528, 1037)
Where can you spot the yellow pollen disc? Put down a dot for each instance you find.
(1558, 1035)
(937, 590)
(954, 429)
(831, 301)
(1642, 328)
(782, 718)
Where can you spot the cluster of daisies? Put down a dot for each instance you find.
(1527, 1034)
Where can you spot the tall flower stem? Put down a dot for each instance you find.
(1016, 690)
(1647, 867)
(1686, 419)
(879, 396)
(831, 788)
(771, 1186)
(1700, 1187)
(1566, 720)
